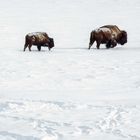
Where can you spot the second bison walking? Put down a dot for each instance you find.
(109, 35)
(38, 39)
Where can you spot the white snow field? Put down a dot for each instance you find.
(70, 92)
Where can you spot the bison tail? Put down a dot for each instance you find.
(26, 40)
(92, 39)
(26, 43)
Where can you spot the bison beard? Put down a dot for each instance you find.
(109, 35)
(38, 39)
(122, 38)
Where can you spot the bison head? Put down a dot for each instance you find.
(122, 37)
(51, 43)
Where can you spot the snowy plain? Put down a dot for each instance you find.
(70, 92)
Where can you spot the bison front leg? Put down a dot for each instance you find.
(113, 44)
(39, 48)
(49, 48)
(108, 44)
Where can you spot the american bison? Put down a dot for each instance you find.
(38, 39)
(109, 35)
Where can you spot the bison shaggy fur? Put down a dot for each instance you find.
(110, 35)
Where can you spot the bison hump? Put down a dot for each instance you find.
(104, 29)
(40, 36)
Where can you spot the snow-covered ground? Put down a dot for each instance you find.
(70, 92)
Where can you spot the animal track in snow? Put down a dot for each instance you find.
(49, 118)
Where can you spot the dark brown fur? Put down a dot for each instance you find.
(38, 39)
(110, 38)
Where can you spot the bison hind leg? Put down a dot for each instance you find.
(30, 45)
(91, 43)
(98, 44)
(25, 46)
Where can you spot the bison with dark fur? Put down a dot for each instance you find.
(109, 35)
(38, 39)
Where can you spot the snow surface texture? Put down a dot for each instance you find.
(70, 92)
